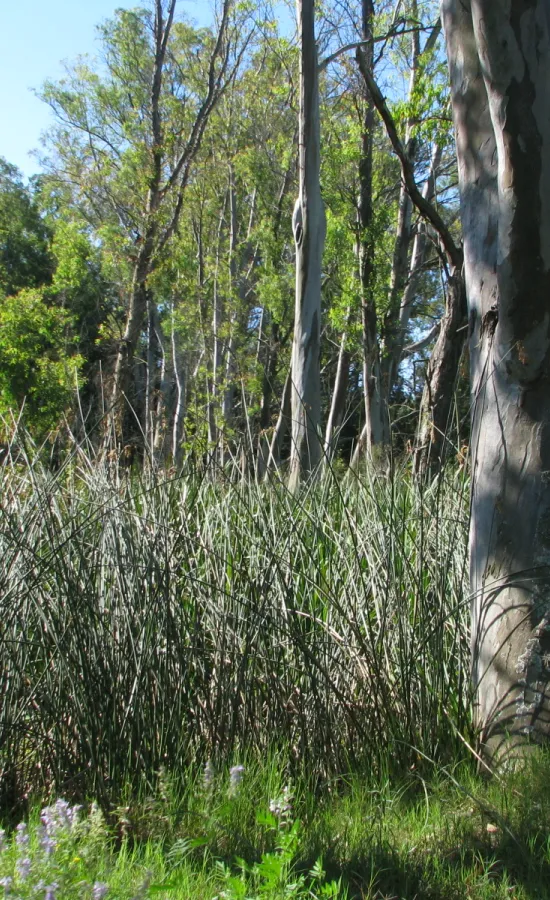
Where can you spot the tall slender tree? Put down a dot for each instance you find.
(309, 227)
(127, 143)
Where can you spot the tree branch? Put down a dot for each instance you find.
(411, 349)
(425, 208)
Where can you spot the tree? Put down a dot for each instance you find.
(38, 373)
(25, 260)
(308, 224)
(127, 141)
(499, 61)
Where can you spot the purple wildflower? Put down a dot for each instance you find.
(22, 836)
(60, 817)
(45, 840)
(235, 778)
(6, 883)
(23, 867)
(99, 890)
(49, 891)
(67, 815)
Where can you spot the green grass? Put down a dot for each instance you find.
(153, 621)
(321, 639)
(451, 836)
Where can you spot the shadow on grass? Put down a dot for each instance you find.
(479, 870)
(490, 840)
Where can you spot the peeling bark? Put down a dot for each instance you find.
(499, 59)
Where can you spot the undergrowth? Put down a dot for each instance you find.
(154, 620)
(245, 833)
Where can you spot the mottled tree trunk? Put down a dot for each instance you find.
(309, 234)
(499, 59)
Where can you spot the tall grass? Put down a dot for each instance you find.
(153, 621)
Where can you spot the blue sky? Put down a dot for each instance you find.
(35, 36)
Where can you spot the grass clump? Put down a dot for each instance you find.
(153, 622)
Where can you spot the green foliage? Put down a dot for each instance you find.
(446, 834)
(37, 369)
(25, 260)
(274, 876)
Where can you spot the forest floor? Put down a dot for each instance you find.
(452, 835)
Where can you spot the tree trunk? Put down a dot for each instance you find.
(309, 227)
(418, 257)
(339, 393)
(441, 375)
(179, 402)
(376, 430)
(499, 59)
(218, 348)
(400, 261)
(282, 426)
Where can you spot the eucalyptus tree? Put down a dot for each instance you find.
(127, 139)
(499, 61)
(386, 321)
(309, 225)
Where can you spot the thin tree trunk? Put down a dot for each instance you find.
(418, 257)
(218, 349)
(282, 426)
(339, 393)
(441, 375)
(179, 405)
(309, 234)
(400, 262)
(163, 406)
(376, 430)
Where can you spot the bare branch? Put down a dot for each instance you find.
(425, 208)
(411, 349)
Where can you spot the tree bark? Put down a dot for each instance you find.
(338, 402)
(308, 223)
(441, 374)
(499, 59)
(376, 430)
